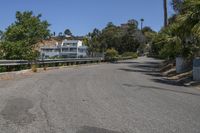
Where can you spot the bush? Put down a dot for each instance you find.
(34, 68)
(130, 54)
(111, 54)
(45, 67)
(170, 51)
(3, 69)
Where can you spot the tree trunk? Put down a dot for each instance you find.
(165, 13)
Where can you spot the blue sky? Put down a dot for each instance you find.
(81, 16)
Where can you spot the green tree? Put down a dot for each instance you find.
(133, 22)
(177, 5)
(68, 32)
(28, 28)
(124, 38)
(93, 42)
(111, 54)
(182, 36)
(189, 27)
(132, 38)
(109, 37)
(1, 35)
(22, 36)
(147, 29)
(172, 43)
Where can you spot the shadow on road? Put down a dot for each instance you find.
(148, 68)
(170, 82)
(152, 69)
(133, 70)
(127, 62)
(164, 89)
(87, 129)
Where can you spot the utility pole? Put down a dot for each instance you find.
(165, 13)
(142, 20)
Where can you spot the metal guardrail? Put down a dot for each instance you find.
(48, 61)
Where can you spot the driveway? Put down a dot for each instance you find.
(126, 97)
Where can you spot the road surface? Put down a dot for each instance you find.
(126, 97)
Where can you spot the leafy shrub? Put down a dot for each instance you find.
(45, 67)
(170, 51)
(3, 69)
(34, 68)
(111, 54)
(130, 54)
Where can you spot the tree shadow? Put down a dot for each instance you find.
(153, 69)
(171, 90)
(169, 82)
(133, 70)
(149, 68)
(155, 74)
(88, 129)
(146, 66)
(127, 62)
(186, 81)
(153, 63)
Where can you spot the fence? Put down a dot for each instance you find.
(49, 61)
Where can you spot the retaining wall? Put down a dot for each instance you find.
(196, 69)
(182, 65)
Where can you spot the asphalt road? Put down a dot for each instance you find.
(128, 97)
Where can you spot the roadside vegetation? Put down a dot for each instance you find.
(124, 38)
(111, 55)
(130, 54)
(19, 40)
(181, 37)
(178, 42)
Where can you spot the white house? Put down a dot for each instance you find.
(67, 49)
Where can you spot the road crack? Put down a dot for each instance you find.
(46, 117)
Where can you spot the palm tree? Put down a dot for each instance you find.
(165, 13)
(189, 26)
(176, 4)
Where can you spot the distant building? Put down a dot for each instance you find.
(67, 49)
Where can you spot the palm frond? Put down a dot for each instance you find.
(196, 30)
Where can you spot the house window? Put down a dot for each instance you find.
(56, 50)
(81, 50)
(65, 44)
(73, 49)
(69, 44)
(65, 50)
